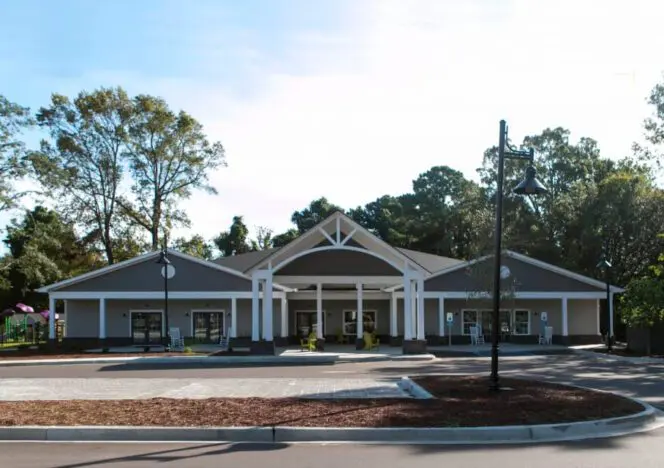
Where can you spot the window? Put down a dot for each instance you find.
(468, 319)
(521, 322)
(350, 321)
(486, 320)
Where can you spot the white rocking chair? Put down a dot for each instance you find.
(547, 338)
(177, 342)
(476, 337)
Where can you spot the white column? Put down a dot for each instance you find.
(599, 330)
(284, 317)
(420, 309)
(407, 304)
(360, 313)
(393, 316)
(565, 322)
(319, 311)
(102, 319)
(51, 317)
(610, 305)
(255, 300)
(441, 316)
(234, 317)
(268, 334)
(66, 320)
(413, 309)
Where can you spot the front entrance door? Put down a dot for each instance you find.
(146, 327)
(209, 326)
(306, 322)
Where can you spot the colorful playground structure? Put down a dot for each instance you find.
(20, 324)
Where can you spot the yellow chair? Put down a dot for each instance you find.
(308, 344)
(370, 341)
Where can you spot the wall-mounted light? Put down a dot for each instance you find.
(124, 314)
(186, 314)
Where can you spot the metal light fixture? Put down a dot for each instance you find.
(529, 186)
(167, 271)
(605, 265)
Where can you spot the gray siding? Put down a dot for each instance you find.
(338, 263)
(146, 276)
(528, 278)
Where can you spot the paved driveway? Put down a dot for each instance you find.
(637, 380)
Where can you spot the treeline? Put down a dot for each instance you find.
(115, 169)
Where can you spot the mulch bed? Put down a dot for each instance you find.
(460, 401)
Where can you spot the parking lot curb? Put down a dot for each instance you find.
(649, 419)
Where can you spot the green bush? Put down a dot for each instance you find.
(188, 350)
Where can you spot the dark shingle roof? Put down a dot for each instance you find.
(245, 261)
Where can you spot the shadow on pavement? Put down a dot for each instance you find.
(145, 365)
(180, 454)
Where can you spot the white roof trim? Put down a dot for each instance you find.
(525, 259)
(334, 216)
(143, 258)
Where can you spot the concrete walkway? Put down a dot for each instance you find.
(136, 388)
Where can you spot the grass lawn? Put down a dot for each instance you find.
(459, 402)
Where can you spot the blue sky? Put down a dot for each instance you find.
(348, 99)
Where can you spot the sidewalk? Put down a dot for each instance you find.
(137, 388)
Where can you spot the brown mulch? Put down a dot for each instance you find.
(459, 402)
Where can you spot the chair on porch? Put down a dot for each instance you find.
(309, 343)
(177, 342)
(547, 338)
(370, 341)
(476, 336)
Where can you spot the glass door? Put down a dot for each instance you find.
(208, 326)
(306, 323)
(505, 322)
(146, 327)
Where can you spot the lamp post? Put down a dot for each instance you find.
(167, 271)
(605, 264)
(529, 186)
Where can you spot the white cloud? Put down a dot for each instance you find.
(404, 86)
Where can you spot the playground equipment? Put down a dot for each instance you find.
(15, 328)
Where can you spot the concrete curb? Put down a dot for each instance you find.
(648, 419)
(613, 357)
(417, 391)
(215, 360)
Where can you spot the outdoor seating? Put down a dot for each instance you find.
(547, 337)
(476, 336)
(370, 341)
(309, 343)
(177, 341)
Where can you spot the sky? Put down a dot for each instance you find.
(347, 99)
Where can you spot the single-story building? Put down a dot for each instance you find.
(324, 282)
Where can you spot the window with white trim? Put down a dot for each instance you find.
(468, 319)
(521, 322)
(350, 321)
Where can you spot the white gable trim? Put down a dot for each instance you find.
(327, 248)
(144, 258)
(356, 228)
(525, 259)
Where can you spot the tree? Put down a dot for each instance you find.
(263, 239)
(234, 241)
(386, 218)
(43, 249)
(82, 167)
(285, 238)
(13, 119)
(168, 156)
(643, 302)
(196, 246)
(316, 212)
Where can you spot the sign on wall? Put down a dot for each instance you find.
(544, 317)
(450, 317)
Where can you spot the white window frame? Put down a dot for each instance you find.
(141, 311)
(463, 320)
(364, 311)
(308, 311)
(514, 311)
(210, 311)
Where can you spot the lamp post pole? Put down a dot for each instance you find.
(168, 343)
(529, 186)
